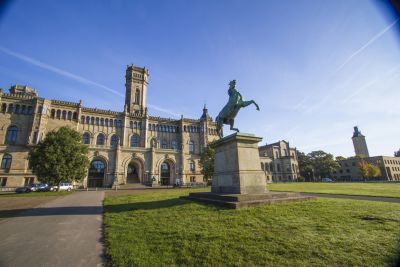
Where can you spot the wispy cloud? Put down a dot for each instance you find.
(373, 39)
(73, 76)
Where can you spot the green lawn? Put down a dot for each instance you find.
(160, 229)
(358, 189)
(34, 194)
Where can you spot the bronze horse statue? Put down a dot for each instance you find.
(228, 113)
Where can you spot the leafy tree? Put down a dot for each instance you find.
(60, 157)
(207, 161)
(369, 170)
(338, 158)
(305, 166)
(323, 163)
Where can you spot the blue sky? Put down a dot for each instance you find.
(316, 68)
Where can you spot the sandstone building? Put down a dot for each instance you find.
(125, 147)
(279, 162)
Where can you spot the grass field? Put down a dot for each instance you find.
(35, 194)
(160, 229)
(358, 189)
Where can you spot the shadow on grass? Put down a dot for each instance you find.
(150, 205)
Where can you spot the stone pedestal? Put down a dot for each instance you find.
(238, 179)
(237, 167)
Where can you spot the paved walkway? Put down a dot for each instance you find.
(64, 232)
(383, 199)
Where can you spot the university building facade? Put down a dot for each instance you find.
(124, 147)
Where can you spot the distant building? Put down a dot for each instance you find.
(360, 145)
(279, 162)
(350, 168)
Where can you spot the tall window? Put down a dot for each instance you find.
(23, 110)
(4, 107)
(97, 121)
(101, 122)
(106, 122)
(135, 140)
(58, 114)
(6, 161)
(87, 120)
(100, 140)
(114, 140)
(11, 136)
(40, 109)
(153, 143)
(69, 115)
(174, 145)
(191, 147)
(64, 115)
(11, 108)
(83, 119)
(92, 120)
(75, 116)
(111, 123)
(164, 144)
(137, 96)
(17, 109)
(86, 138)
(192, 166)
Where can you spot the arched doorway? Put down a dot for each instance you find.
(132, 174)
(165, 173)
(96, 173)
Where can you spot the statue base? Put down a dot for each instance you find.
(238, 179)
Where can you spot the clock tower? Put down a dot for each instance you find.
(136, 89)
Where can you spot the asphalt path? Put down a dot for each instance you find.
(64, 232)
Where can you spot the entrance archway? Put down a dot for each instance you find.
(132, 173)
(165, 173)
(96, 173)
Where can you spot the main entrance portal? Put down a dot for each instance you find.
(96, 174)
(132, 175)
(165, 173)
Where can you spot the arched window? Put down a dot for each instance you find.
(6, 161)
(100, 139)
(23, 110)
(86, 138)
(131, 124)
(192, 166)
(4, 107)
(135, 125)
(97, 121)
(40, 109)
(75, 116)
(69, 115)
(53, 113)
(114, 140)
(191, 147)
(174, 145)
(135, 140)
(87, 120)
(17, 109)
(64, 115)
(164, 144)
(139, 125)
(184, 128)
(137, 96)
(58, 116)
(106, 122)
(149, 127)
(111, 123)
(92, 120)
(153, 127)
(83, 119)
(11, 108)
(12, 133)
(101, 121)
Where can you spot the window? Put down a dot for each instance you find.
(276, 154)
(285, 152)
(153, 143)
(135, 140)
(58, 114)
(69, 115)
(131, 124)
(35, 136)
(29, 180)
(114, 140)
(191, 147)
(23, 110)
(139, 125)
(17, 109)
(4, 107)
(87, 120)
(278, 167)
(135, 125)
(92, 120)
(192, 179)
(111, 123)
(106, 122)
(174, 145)
(192, 166)
(75, 116)
(6, 161)
(3, 181)
(40, 109)
(64, 115)
(86, 138)
(119, 123)
(11, 136)
(97, 121)
(83, 119)
(100, 140)
(101, 121)
(137, 96)
(262, 166)
(11, 108)
(164, 144)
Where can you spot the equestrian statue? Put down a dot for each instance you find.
(228, 113)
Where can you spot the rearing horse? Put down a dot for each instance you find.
(228, 113)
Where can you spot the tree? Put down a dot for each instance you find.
(369, 170)
(60, 157)
(323, 163)
(397, 153)
(339, 158)
(207, 161)
(305, 166)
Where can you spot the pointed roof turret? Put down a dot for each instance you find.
(205, 115)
